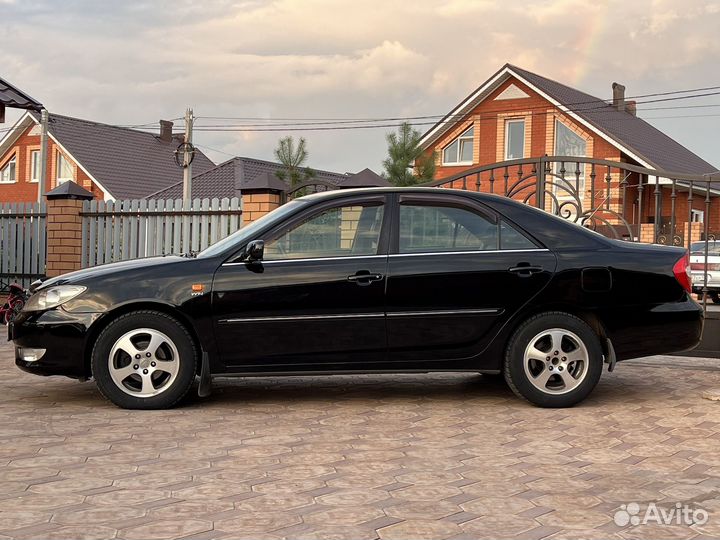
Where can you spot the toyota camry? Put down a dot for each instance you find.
(368, 281)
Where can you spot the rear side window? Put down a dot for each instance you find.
(427, 228)
(511, 238)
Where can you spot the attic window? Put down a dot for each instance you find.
(7, 173)
(460, 151)
(64, 169)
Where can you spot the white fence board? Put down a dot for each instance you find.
(123, 230)
(22, 242)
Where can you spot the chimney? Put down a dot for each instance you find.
(631, 107)
(166, 130)
(618, 96)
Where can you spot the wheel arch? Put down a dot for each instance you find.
(101, 323)
(502, 340)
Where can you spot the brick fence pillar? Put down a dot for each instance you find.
(64, 228)
(257, 203)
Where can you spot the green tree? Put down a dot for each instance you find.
(293, 158)
(404, 150)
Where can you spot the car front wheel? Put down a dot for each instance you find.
(553, 360)
(144, 360)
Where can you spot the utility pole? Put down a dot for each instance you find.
(42, 181)
(187, 156)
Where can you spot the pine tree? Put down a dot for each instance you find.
(293, 158)
(404, 150)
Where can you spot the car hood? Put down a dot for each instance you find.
(112, 268)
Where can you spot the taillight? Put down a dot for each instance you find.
(682, 272)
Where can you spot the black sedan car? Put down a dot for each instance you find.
(371, 281)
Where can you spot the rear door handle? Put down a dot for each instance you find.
(525, 270)
(364, 277)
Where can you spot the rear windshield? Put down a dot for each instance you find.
(699, 247)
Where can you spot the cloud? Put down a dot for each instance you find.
(135, 62)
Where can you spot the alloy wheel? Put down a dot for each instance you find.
(556, 361)
(144, 362)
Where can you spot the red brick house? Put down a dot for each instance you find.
(110, 161)
(518, 114)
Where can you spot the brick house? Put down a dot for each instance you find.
(518, 114)
(109, 161)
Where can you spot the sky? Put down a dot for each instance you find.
(135, 62)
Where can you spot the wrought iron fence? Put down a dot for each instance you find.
(617, 199)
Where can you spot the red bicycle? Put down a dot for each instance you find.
(13, 304)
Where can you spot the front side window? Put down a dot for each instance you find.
(514, 139)
(64, 169)
(460, 151)
(8, 171)
(35, 165)
(336, 232)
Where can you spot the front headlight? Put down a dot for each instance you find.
(52, 297)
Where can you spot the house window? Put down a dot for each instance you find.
(35, 165)
(7, 173)
(569, 143)
(460, 151)
(697, 216)
(64, 169)
(514, 139)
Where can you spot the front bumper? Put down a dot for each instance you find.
(63, 335)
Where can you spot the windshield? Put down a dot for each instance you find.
(247, 233)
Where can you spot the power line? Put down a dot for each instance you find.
(276, 123)
(593, 102)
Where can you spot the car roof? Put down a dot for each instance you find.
(337, 193)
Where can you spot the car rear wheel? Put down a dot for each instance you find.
(144, 360)
(553, 360)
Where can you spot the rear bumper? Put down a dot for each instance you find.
(61, 334)
(660, 329)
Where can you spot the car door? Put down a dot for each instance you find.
(456, 272)
(317, 296)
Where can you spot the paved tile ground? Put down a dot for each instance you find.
(362, 457)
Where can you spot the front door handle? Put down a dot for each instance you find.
(525, 270)
(364, 277)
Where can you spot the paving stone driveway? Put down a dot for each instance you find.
(391, 457)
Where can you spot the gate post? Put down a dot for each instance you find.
(64, 228)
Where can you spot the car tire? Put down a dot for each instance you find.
(553, 359)
(144, 360)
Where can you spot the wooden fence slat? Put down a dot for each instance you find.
(107, 248)
(85, 241)
(204, 232)
(117, 231)
(215, 221)
(234, 221)
(101, 247)
(27, 238)
(224, 218)
(13, 242)
(134, 225)
(168, 224)
(142, 228)
(42, 234)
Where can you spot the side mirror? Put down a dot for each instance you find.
(254, 251)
